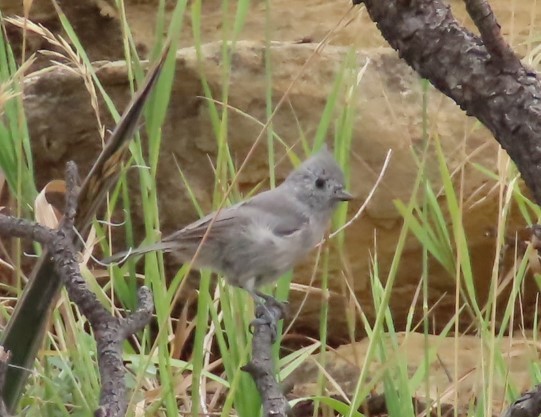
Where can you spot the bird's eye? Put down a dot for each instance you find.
(320, 183)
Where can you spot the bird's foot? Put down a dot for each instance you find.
(271, 302)
(265, 321)
(268, 312)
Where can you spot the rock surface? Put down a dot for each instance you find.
(92, 21)
(469, 365)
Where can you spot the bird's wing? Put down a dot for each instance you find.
(190, 235)
(274, 208)
(278, 210)
(226, 218)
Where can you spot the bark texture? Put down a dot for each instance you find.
(501, 92)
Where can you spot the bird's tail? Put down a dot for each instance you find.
(121, 257)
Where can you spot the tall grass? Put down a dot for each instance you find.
(209, 379)
(15, 155)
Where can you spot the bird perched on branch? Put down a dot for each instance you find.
(254, 242)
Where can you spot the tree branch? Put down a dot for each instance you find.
(503, 94)
(262, 367)
(490, 30)
(528, 405)
(26, 326)
(109, 331)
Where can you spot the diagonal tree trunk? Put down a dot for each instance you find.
(480, 73)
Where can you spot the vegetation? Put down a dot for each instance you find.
(215, 343)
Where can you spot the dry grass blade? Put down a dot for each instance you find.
(107, 168)
(45, 212)
(77, 67)
(6, 88)
(6, 94)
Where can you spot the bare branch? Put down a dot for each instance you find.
(528, 405)
(109, 331)
(141, 316)
(27, 324)
(502, 93)
(490, 30)
(262, 368)
(14, 227)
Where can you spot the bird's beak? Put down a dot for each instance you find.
(343, 195)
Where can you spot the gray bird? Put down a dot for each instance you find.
(254, 242)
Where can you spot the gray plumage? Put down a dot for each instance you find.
(254, 242)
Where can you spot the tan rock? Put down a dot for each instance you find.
(461, 366)
(95, 22)
(38, 9)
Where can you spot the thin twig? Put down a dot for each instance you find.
(109, 331)
(490, 30)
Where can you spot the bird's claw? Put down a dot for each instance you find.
(270, 302)
(264, 321)
(268, 313)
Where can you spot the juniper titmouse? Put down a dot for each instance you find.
(255, 241)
